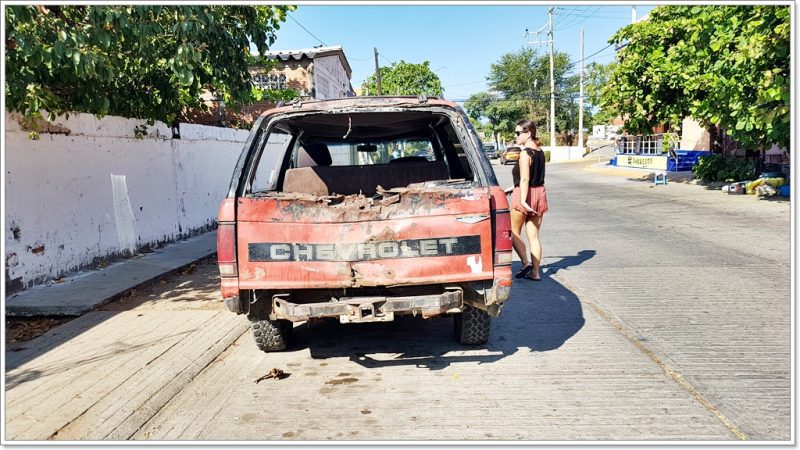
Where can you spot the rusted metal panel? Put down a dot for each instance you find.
(357, 103)
(369, 309)
(229, 286)
(417, 240)
(410, 202)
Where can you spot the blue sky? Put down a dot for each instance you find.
(460, 41)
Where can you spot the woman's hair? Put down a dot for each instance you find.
(527, 125)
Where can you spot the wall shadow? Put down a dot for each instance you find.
(540, 316)
(194, 287)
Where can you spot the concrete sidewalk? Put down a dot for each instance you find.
(85, 291)
(606, 168)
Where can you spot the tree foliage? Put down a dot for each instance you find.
(596, 77)
(142, 61)
(501, 115)
(524, 76)
(520, 88)
(404, 78)
(722, 65)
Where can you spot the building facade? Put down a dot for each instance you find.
(314, 73)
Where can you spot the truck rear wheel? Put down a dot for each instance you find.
(272, 335)
(472, 326)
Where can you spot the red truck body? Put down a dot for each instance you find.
(424, 234)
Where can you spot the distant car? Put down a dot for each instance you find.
(510, 155)
(490, 150)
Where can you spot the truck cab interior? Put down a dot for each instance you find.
(356, 153)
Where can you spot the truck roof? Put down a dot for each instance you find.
(361, 102)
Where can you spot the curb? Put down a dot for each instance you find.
(87, 291)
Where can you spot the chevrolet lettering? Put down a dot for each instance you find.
(365, 251)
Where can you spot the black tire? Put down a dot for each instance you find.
(472, 326)
(272, 335)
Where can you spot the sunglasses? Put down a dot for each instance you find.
(517, 133)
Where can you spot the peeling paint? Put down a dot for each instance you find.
(16, 232)
(475, 264)
(12, 260)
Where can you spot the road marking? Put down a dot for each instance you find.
(676, 376)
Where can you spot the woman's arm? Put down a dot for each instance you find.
(524, 178)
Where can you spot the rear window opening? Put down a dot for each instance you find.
(358, 153)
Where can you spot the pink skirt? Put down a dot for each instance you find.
(537, 200)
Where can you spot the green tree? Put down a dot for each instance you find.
(500, 115)
(524, 76)
(142, 61)
(723, 65)
(596, 77)
(404, 78)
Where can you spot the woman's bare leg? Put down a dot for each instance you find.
(517, 220)
(532, 228)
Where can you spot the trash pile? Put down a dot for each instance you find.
(762, 187)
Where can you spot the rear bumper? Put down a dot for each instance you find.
(370, 309)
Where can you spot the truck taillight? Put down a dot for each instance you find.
(502, 231)
(502, 258)
(226, 249)
(501, 227)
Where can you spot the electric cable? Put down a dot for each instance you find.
(306, 29)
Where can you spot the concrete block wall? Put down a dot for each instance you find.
(99, 192)
(564, 153)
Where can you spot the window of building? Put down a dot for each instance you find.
(272, 81)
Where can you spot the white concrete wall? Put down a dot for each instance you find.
(99, 192)
(563, 153)
(330, 78)
(694, 136)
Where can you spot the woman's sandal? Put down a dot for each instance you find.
(523, 273)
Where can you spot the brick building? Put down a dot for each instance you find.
(315, 73)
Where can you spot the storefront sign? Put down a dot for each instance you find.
(643, 162)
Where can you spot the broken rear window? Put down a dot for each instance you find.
(355, 153)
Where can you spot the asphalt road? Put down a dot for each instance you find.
(664, 314)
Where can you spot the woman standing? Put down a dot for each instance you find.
(528, 200)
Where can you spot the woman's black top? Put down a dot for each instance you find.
(537, 169)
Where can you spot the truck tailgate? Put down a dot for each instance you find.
(411, 236)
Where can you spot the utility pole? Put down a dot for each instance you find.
(552, 86)
(378, 72)
(633, 14)
(580, 101)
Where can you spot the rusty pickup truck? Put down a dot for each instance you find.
(363, 209)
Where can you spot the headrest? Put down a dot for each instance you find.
(313, 154)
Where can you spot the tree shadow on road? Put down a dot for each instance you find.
(567, 261)
(539, 317)
(194, 288)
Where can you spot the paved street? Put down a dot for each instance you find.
(664, 314)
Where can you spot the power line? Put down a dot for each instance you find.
(580, 17)
(464, 84)
(385, 59)
(312, 34)
(584, 59)
(543, 97)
